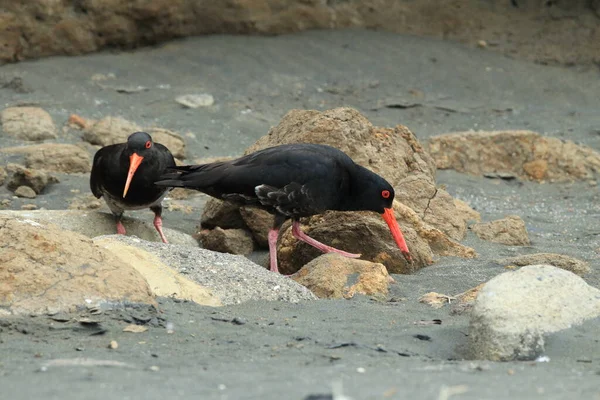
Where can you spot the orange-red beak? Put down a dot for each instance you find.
(390, 219)
(134, 163)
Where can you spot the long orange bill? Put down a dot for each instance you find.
(134, 163)
(390, 219)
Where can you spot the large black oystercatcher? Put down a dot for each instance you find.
(125, 173)
(294, 181)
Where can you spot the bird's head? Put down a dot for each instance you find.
(139, 145)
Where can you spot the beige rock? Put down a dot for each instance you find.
(2, 175)
(562, 261)
(466, 212)
(34, 178)
(27, 123)
(259, 222)
(85, 202)
(233, 241)
(162, 279)
(515, 310)
(333, 276)
(44, 269)
(525, 154)
(112, 130)
(510, 230)
(55, 157)
(95, 223)
(26, 192)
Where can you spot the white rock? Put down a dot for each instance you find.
(514, 310)
(196, 100)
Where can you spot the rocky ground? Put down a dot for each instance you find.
(422, 336)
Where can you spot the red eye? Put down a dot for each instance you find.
(385, 194)
(148, 144)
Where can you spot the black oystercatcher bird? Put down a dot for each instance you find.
(294, 181)
(125, 173)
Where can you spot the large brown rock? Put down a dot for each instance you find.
(233, 241)
(510, 230)
(333, 276)
(34, 178)
(562, 261)
(27, 123)
(525, 154)
(434, 224)
(111, 130)
(44, 269)
(56, 157)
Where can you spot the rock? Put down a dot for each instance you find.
(510, 230)
(28, 123)
(466, 212)
(526, 154)
(365, 233)
(222, 214)
(94, 223)
(232, 279)
(565, 262)
(85, 202)
(45, 269)
(162, 279)
(26, 192)
(393, 153)
(196, 100)
(233, 241)
(514, 311)
(259, 222)
(2, 175)
(35, 179)
(112, 130)
(333, 276)
(55, 157)
(173, 141)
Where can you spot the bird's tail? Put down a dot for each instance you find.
(182, 176)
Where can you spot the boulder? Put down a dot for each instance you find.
(514, 311)
(333, 276)
(395, 154)
(259, 222)
(230, 279)
(578, 267)
(28, 123)
(95, 223)
(44, 269)
(112, 130)
(510, 230)
(525, 154)
(55, 157)
(33, 178)
(232, 241)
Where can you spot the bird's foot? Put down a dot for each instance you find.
(329, 249)
(158, 226)
(120, 228)
(298, 234)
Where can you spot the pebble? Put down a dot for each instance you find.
(196, 100)
(26, 192)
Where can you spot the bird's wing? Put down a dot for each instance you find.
(291, 200)
(95, 178)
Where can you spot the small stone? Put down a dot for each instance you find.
(565, 262)
(196, 100)
(154, 368)
(28, 123)
(510, 231)
(29, 207)
(2, 175)
(233, 241)
(135, 328)
(113, 345)
(482, 44)
(26, 192)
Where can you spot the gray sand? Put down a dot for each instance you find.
(289, 351)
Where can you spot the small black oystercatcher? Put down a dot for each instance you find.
(294, 181)
(125, 173)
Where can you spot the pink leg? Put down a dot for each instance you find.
(158, 226)
(298, 234)
(273, 235)
(120, 228)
